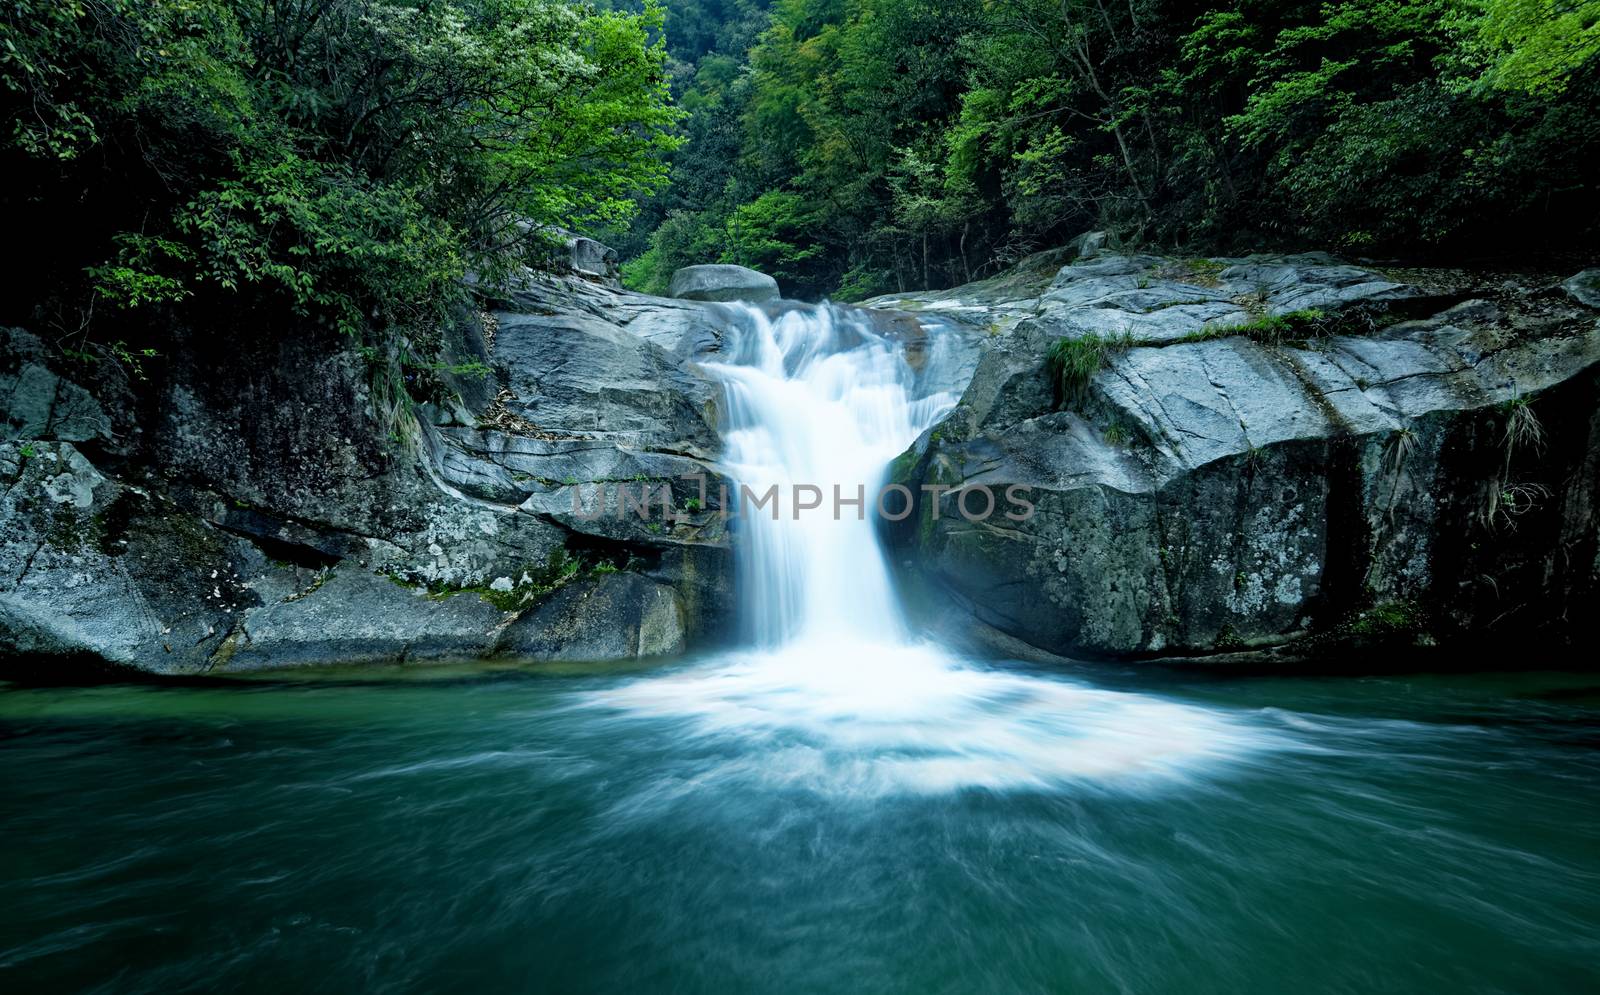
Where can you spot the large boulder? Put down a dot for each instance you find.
(92, 569)
(588, 257)
(617, 616)
(1221, 483)
(722, 282)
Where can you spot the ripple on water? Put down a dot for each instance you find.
(871, 719)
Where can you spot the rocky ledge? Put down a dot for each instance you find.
(268, 501)
(1282, 451)
(1265, 451)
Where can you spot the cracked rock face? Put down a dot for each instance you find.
(269, 519)
(1216, 489)
(39, 404)
(1209, 490)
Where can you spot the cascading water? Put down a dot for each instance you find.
(818, 399)
(833, 685)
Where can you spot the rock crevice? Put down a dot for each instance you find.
(1229, 481)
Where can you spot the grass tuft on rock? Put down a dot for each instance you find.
(1073, 362)
(1270, 329)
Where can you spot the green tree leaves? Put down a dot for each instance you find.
(1536, 46)
(351, 158)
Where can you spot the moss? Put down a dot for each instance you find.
(1227, 639)
(1390, 618)
(1198, 271)
(71, 532)
(925, 523)
(394, 578)
(900, 470)
(541, 581)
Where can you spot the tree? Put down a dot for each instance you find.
(917, 144)
(350, 158)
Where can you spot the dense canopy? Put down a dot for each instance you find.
(353, 159)
(859, 146)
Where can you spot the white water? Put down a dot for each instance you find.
(818, 398)
(834, 687)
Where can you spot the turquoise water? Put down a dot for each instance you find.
(717, 828)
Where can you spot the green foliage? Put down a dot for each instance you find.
(1536, 46)
(769, 234)
(1073, 362)
(349, 161)
(916, 144)
(353, 161)
(1390, 619)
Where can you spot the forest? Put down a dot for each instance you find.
(855, 147)
(352, 160)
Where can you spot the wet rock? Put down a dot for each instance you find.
(341, 512)
(618, 616)
(722, 282)
(91, 568)
(349, 616)
(1213, 491)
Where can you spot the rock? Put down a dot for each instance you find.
(94, 569)
(1214, 492)
(584, 377)
(723, 282)
(619, 616)
(349, 616)
(590, 258)
(1089, 244)
(1584, 287)
(36, 403)
(330, 505)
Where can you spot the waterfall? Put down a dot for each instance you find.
(831, 688)
(818, 399)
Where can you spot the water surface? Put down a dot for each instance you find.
(837, 807)
(721, 827)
